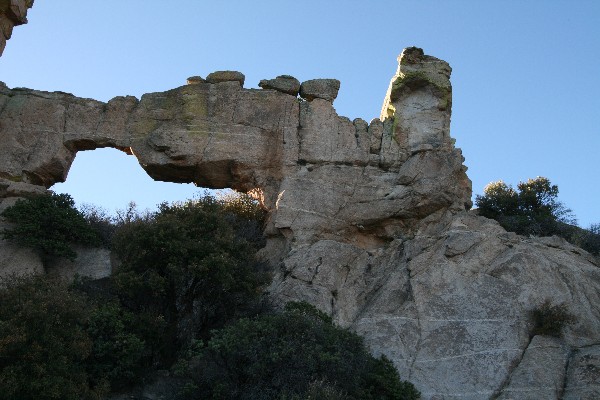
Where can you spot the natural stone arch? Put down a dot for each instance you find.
(320, 175)
(367, 221)
(118, 182)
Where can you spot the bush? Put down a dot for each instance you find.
(550, 320)
(100, 221)
(185, 271)
(587, 239)
(533, 209)
(57, 344)
(49, 224)
(43, 342)
(296, 354)
(117, 353)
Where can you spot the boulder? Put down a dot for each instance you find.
(194, 80)
(283, 83)
(326, 89)
(226, 76)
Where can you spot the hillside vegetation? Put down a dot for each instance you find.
(533, 209)
(186, 297)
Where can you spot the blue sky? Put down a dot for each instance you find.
(526, 74)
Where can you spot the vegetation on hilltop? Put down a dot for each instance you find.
(186, 297)
(533, 209)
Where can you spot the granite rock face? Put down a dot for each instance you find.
(367, 221)
(583, 374)
(12, 13)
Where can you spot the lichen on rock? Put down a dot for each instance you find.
(368, 222)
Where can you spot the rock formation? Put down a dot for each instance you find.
(12, 13)
(368, 221)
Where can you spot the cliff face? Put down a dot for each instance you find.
(12, 13)
(368, 221)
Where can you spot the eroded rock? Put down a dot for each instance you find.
(194, 80)
(326, 89)
(583, 375)
(226, 76)
(540, 373)
(12, 13)
(283, 83)
(368, 222)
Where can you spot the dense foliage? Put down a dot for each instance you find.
(295, 354)
(50, 224)
(43, 342)
(533, 209)
(186, 270)
(187, 293)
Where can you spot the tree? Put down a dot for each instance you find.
(43, 342)
(532, 209)
(185, 271)
(50, 224)
(295, 354)
(55, 343)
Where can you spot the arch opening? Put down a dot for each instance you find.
(108, 178)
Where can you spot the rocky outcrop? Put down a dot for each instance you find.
(283, 83)
(326, 89)
(368, 221)
(12, 13)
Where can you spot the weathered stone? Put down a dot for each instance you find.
(283, 83)
(12, 13)
(16, 260)
(419, 100)
(91, 263)
(194, 80)
(455, 313)
(583, 375)
(540, 374)
(368, 223)
(226, 76)
(326, 89)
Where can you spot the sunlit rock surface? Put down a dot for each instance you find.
(368, 221)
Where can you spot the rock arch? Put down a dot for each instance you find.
(320, 175)
(366, 221)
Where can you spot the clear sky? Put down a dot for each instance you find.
(526, 74)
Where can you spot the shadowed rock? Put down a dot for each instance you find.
(12, 13)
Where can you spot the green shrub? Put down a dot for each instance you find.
(49, 224)
(550, 319)
(43, 342)
(100, 221)
(296, 354)
(185, 271)
(533, 209)
(117, 353)
(55, 343)
(587, 239)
